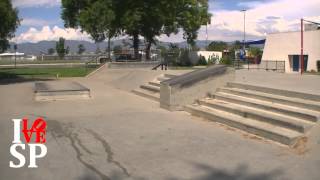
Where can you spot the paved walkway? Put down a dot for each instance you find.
(118, 135)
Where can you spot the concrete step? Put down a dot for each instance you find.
(147, 94)
(259, 115)
(262, 129)
(287, 93)
(150, 87)
(291, 101)
(170, 76)
(155, 83)
(161, 78)
(303, 114)
(164, 77)
(60, 90)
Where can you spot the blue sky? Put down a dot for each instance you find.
(41, 19)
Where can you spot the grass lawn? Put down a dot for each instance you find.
(11, 73)
(8, 62)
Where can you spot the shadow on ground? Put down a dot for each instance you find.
(8, 78)
(240, 173)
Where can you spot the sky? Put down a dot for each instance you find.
(41, 20)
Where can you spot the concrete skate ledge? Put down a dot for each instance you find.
(120, 65)
(57, 90)
(182, 90)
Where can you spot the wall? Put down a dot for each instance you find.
(279, 46)
(177, 92)
(146, 64)
(208, 54)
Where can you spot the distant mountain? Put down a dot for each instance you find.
(43, 46)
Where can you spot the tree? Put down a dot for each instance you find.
(96, 17)
(152, 18)
(191, 14)
(217, 46)
(255, 52)
(237, 45)
(81, 49)
(60, 48)
(51, 51)
(106, 18)
(9, 23)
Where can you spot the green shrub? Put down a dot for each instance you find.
(184, 59)
(202, 61)
(212, 60)
(318, 65)
(226, 60)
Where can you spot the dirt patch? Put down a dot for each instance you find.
(300, 147)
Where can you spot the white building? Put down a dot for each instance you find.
(287, 47)
(17, 55)
(210, 54)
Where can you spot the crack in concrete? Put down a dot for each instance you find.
(59, 130)
(79, 155)
(81, 144)
(109, 152)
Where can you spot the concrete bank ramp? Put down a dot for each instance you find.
(60, 90)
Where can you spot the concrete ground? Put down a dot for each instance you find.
(118, 135)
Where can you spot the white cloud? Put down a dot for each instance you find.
(36, 3)
(48, 34)
(261, 19)
(227, 25)
(37, 22)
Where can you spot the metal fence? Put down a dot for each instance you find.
(268, 65)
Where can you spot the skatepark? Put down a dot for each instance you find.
(114, 133)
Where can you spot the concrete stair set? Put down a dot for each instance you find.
(275, 114)
(151, 90)
(279, 115)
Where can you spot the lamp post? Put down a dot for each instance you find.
(244, 28)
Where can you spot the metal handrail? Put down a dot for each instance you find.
(274, 65)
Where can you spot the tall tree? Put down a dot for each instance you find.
(9, 23)
(167, 16)
(60, 48)
(96, 17)
(50, 51)
(148, 18)
(191, 15)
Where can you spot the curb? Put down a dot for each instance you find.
(95, 71)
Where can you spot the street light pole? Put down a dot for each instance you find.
(302, 56)
(244, 28)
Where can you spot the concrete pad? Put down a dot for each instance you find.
(60, 90)
(118, 135)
